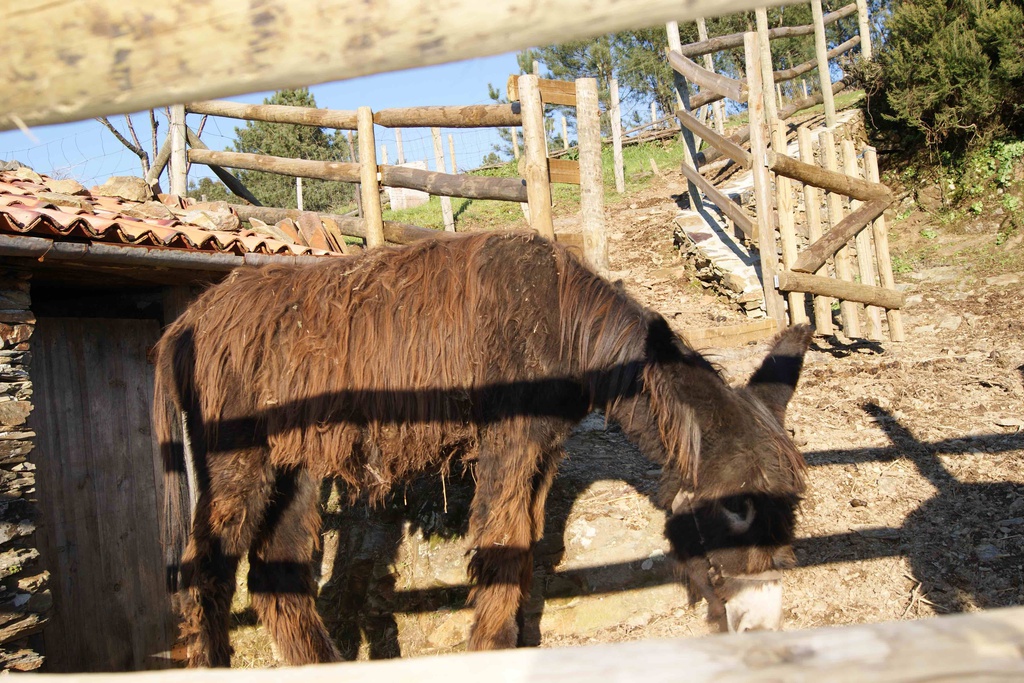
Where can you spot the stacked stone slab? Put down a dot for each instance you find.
(25, 599)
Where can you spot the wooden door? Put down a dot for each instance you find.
(99, 488)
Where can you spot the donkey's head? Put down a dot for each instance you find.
(732, 525)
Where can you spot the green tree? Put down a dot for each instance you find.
(953, 70)
(212, 190)
(294, 142)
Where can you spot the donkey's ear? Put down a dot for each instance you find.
(775, 381)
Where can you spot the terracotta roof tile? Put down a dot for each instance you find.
(28, 207)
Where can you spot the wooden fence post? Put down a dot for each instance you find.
(369, 188)
(654, 112)
(672, 32)
(881, 235)
(538, 183)
(864, 25)
(690, 142)
(844, 271)
(821, 52)
(616, 120)
(359, 187)
(565, 133)
(787, 229)
(865, 252)
(446, 202)
(588, 134)
(771, 109)
(398, 145)
(718, 107)
(451, 153)
(515, 142)
(384, 155)
(812, 210)
(298, 193)
(762, 182)
(179, 159)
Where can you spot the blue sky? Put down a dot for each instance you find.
(89, 153)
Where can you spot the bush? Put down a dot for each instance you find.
(953, 70)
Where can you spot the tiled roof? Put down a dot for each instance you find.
(35, 205)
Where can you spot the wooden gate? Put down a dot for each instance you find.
(99, 486)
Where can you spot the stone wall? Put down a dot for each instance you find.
(25, 599)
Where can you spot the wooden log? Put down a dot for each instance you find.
(515, 142)
(368, 179)
(551, 91)
(812, 212)
(709, 62)
(161, 160)
(616, 120)
(675, 46)
(832, 181)
(451, 152)
(682, 90)
(784, 75)
(399, 150)
(721, 200)
(231, 182)
(178, 172)
(723, 85)
(730, 335)
(844, 271)
(359, 187)
(565, 130)
(564, 171)
(538, 184)
(881, 235)
(725, 145)
(397, 233)
(864, 27)
(340, 171)
(865, 252)
(846, 291)
(771, 107)
(447, 185)
(446, 202)
(469, 116)
(736, 39)
(49, 79)
(821, 55)
(762, 181)
(787, 231)
(277, 113)
(588, 133)
(814, 256)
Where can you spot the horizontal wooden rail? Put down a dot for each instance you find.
(833, 181)
(398, 233)
(736, 39)
(814, 257)
(800, 69)
(111, 56)
(448, 185)
(469, 116)
(276, 113)
(551, 91)
(841, 289)
(712, 137)
(230, 181)
(341, 171)
(730, 208)
(728, 87)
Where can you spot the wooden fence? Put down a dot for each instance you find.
(762, 146)
(529, 95)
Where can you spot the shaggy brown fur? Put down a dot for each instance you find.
(484, 349)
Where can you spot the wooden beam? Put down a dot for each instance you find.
(551, 91)
(178, 172)
(736, 39)
(865, 252)
(847, 291)
(469, 116)
(564, 171)
(448, 185)
(814, 256)
(821, 56)
(730, 335)
(397, 233)
(535, 154)
(723, 85)
(730, 208)
(591, 176)
(787, 230)
(341, 171)
(276, 113)
(881, 235)
(446, 202)
(833, 181)
(369, 176)
(789, 74)
(812, 212)
(615, 117)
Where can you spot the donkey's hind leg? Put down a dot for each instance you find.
(230, 505)
(504, 529)
(281, 583)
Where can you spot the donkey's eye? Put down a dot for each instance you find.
(739, 514)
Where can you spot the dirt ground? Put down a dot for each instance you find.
(915, 503)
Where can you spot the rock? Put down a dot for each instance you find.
(14, 413)
(452, 631)
(11, 165)
(150, 209)
(951, 323)
(126, 187)
(987, 552)
(212, 220)
(59, 199)
(1002, 280)
(26, 173)
(65, 186)
(14, 334)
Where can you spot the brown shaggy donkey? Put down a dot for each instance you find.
(484, 350)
